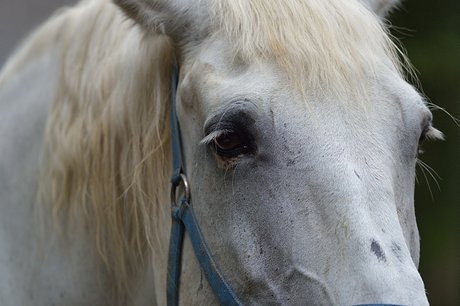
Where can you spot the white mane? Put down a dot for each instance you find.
(107, 158)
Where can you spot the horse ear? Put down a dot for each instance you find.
(381, 7)
(175, 18)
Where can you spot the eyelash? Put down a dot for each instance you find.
(237, 143)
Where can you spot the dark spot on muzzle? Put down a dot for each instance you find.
(377, 250)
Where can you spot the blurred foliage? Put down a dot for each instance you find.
(430, 32)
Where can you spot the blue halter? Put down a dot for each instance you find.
(184, 219)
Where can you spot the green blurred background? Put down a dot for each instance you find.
(430, 32)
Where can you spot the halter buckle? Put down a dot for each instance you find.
(181, 180)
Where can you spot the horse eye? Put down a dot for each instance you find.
(422, 137)
(227, 141)
(230, 144)
(429, 133)
(421, 140)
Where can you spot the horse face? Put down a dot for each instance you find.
(302, 202)
(302, 196)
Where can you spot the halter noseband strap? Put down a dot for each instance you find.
(184, 219)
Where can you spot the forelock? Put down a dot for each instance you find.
(319, 44)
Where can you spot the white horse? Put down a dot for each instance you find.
(300, 140)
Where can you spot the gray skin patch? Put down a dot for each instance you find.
(396, 249)
(378, 251)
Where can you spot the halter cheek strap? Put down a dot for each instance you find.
(184, 219)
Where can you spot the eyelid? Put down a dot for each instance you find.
(240, 113)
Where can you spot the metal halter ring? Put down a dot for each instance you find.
(183, 182)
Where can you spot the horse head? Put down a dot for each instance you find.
(300, 138)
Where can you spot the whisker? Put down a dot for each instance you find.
(433, 177)
(433, 106)
(225, 173)
(429, 168)
(416, 179)
(233, 180)
(428, 183)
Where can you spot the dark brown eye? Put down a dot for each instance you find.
(228, 141)
(421, 140)
(230, 144)
(422, 137)
(429, 133)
